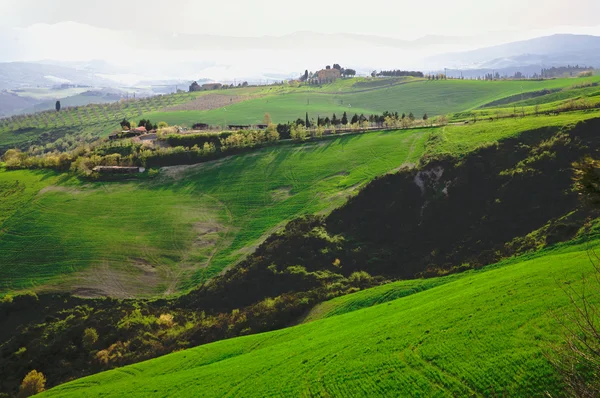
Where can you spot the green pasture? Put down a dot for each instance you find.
(479, 334)
(364, 96)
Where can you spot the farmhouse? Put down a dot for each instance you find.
(328, 75)
(239, 126)
(200, 126)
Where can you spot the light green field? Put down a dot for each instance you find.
(158, 236)
(164, 235)
(478, 334)
(417, 96)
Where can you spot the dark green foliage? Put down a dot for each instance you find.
(189, 140)
(57, 106)
(284, 131)
(147, 124)
(398, 73)
(125, 123)
(344, 120)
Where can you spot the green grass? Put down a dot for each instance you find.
(456, 140)
(120, 229)
(417, 96)
(121, 239)
(170, 233)
(478, 334)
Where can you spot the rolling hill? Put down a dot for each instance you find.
(481, 334)
(357, 96)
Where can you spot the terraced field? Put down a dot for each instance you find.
(477, 334)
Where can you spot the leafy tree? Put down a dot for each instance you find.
(305, 75)
(327, 121)
(403, 116)
(125, 123)
(307, 124)
(284, 131)
(344, 119)
(299, 122)
(298, 132)
(90, 337)
(33, 383)
(411, 117)
(337, 66)
(162, 125)
(425, 117)
(57, 106)
(354, 119)
(334, 120)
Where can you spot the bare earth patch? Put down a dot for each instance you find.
(281, 194)
(56, 188)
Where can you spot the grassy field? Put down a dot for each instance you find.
(184, 226)
(284, 103)
(477, 334)
(413, 95)
(167, 234)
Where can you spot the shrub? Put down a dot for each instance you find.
(33, 383)
(360, 279)
(90, 337)
(166, 320)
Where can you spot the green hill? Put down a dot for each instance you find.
(159, 236)
(481, 334)
(417, 96)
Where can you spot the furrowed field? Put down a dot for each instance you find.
(477, 334)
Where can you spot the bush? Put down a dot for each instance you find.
(32, 384)
(90, 337)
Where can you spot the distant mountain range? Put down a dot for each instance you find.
(28, 74)
(556, 50)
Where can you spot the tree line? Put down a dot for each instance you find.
(397, 73)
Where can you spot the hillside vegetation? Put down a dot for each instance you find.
(483, 334)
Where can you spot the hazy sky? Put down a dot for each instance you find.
(130, 33)
(403, 19)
